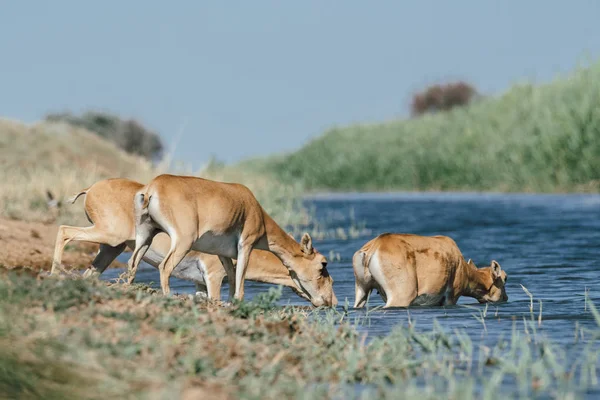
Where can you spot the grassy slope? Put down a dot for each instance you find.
(532, 138)
(63, 159)
(56, 157)
(47, 145)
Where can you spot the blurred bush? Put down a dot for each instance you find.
(442, 98)
(128, 134)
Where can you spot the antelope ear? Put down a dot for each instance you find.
(306, 243)
(496, 270)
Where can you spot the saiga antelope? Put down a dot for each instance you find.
(109, 207)
(422, 270)
(219, 218)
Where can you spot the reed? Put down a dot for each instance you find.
(533, 138)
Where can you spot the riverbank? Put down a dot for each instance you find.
(26, 244)
(532, 138)
(72, 338)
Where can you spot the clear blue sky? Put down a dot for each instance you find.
(248, 78)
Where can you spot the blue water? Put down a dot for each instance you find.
(547, 243)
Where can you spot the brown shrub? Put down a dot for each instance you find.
(442, 97)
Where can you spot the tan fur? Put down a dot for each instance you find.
(421, 270)
(224, 219)
(109, 206)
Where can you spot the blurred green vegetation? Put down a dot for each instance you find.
(543, 138)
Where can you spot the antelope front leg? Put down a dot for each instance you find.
(240, 270)
(231, 275)
(213, 286)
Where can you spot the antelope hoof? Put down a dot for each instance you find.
(202, 295)
(55, 270)
(91, 273)
(46, 274)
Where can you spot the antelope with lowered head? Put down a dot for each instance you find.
(412, 270)
(109, 207)
(223, 219)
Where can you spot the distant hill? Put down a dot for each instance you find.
(56, 157)
(128, 134)
(63, 159)
(51, 146)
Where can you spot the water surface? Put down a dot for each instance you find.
(547, 243)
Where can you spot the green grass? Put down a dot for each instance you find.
(63, 338)
(542, 138)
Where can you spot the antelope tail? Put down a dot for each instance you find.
(74, 198)
(143, 200)
(367, 252)
(366, 259)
